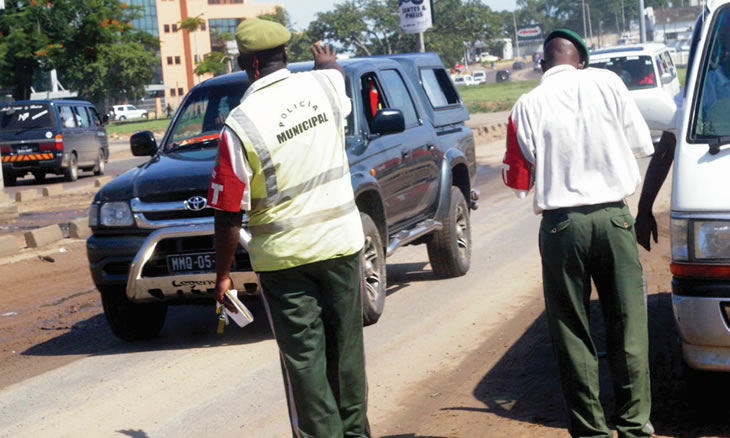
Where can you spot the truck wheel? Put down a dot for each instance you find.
(40, 176)
(132, 321)
(100, 164)
(9, 179)
(372, 280)
(449, 251)
(71, 173)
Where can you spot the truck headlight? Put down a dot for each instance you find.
(115, 214)
(94, 215)
(678, 237)
(712, 239)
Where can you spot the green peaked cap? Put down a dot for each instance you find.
(255, 35)
(573, 38)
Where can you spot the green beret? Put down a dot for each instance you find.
(255, 35)
(573, 38)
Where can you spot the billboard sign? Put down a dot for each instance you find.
(530, 33)
(416, 16)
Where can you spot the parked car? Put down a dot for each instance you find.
(51, 136)
(480, 77)
(413, 173)
(124, 112)
(465, 80)
(518, 65)
(651, 77)
(503, 75)
(700, 209)
(486, 57)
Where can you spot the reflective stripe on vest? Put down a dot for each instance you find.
(267, 165)
(288, 194)
(301, 221)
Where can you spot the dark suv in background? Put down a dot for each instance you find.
(413, 171)
(51, 136)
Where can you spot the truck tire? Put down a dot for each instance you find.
(132, 321)
(373, 278)
(9, 179)
(449, 251)
(71, 173)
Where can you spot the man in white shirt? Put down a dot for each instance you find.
(573, 138)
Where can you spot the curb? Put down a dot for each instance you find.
(43, 236)
(8, 245)
(485, 133)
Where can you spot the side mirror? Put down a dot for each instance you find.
(667, 78)
(388, 121)
(105, 119)
(143, 144)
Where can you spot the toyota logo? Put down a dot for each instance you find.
(196, 203)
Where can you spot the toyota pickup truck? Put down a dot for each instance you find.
(413, 172)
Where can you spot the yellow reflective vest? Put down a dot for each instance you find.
(302, 204)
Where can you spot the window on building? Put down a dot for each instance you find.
(202, 26)
(169, 60)
(196, 58)
(173, 92)
(174, 27)
(177, 60)
(167, 28)
(180, 91)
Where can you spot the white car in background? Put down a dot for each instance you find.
(128, 112)
(486, 57)
(480, 76)
(651, 77)
(465, 80)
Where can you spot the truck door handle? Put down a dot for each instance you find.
(429, 147)
(405, 154)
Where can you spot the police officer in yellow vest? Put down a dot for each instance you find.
(282, 159)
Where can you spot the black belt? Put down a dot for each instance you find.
(585, 209)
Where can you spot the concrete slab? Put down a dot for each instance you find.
(26, 195)
(52, 190)
(79, 228)
(43, 236)
(4, 197)
(8, 245)
(8, 210)
(102, 180)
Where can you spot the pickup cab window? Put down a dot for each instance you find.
(438, 87)
(203, 116)
(400, 97)
(712, 104)
(372, 96)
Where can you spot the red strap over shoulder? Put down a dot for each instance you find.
(517, 171)
(226, 188)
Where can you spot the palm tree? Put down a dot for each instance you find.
(192, 24)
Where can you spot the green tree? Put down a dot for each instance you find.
(85, 40)
(214, 62)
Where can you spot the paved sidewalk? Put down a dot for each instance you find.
(481, 119)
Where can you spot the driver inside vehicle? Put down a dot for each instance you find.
(716, 93)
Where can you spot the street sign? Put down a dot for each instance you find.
(416, 16)
(530, 33)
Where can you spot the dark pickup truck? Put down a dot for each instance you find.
(413, 171)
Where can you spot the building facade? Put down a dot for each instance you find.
(180, 50)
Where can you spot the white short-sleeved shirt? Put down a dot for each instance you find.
(578, 131)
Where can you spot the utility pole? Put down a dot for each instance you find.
(583, 8)
(421, 44)
(517, 41)
(623, 19)
(590, 26)
(642, 23)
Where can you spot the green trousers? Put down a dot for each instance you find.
(597, 242)
(316, 315)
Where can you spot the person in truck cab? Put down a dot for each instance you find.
(573, 137)
(282, 159)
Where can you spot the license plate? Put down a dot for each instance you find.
(25, 150)
(202, 261)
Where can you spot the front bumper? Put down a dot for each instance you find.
(702, 322)
(147, 288)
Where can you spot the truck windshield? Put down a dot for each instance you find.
(637, 72)
(24, 117)
(201, 119)
(712, 104)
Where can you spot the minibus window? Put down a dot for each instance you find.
(713, 99)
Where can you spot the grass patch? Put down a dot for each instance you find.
(497, 96)
(682, 73)
(157, 126)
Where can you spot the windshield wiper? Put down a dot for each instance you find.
(196, 144)
(716, 143)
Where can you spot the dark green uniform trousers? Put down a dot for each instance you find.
(597, 242)
(316, 315)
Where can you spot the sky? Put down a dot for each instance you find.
(302, 12)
